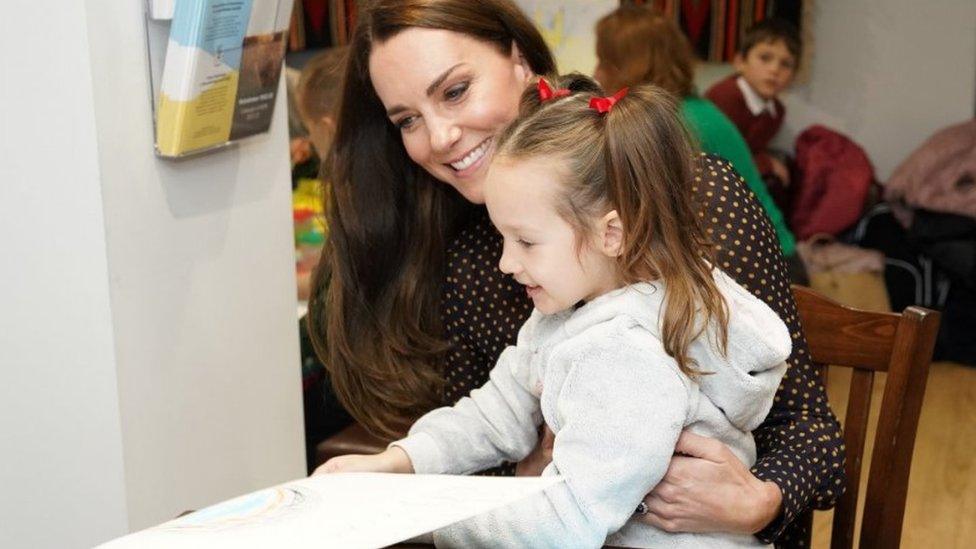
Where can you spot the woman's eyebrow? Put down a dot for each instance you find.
(397, 109)
(440, 80)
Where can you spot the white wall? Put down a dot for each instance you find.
(888, 73)
(60, 436)
(149, 355)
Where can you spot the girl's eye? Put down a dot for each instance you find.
(455, 93)
(525, 243)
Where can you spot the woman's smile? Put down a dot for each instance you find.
(474, 159)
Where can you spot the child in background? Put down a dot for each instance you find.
(317, 94)
(765, 66)
(634, 336)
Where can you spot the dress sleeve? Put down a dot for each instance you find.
(799, 445)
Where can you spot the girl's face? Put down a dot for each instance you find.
(540, 248)
(450, 95)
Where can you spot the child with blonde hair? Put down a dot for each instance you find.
(635, 335)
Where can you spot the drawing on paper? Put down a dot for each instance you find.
(252, 509)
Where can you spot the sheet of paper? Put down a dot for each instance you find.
(349, 510)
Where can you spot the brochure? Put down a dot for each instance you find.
(220, 76)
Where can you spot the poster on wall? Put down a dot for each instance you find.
(220, 73)
(568, 29)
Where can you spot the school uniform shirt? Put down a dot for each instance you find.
(600, 378)
(799, 444)
(757, 119)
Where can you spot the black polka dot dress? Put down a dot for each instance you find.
(799, 445)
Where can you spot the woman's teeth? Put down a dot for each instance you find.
(472, 156)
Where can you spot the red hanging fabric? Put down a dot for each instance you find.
(696, 13)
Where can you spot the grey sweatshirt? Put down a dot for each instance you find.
(599, 377)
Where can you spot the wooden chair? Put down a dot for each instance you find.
(868, 342)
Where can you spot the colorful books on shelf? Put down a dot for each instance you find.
(220, 76)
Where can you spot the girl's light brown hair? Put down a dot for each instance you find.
(637, 45)
(636, 159)
(374, 313)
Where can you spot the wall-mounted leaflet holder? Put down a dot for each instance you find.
(214, 66)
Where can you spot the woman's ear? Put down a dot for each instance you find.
(523, 70)
(612, 232)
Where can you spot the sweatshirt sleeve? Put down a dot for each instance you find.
(619, 417)
(498, 422)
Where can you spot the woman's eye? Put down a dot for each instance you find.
(456, 92)
(405, 123)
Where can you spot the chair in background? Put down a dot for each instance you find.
(869, 342)
(354, 439)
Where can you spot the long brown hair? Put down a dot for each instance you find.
(636, 159)
(638, 45)
(375, 306)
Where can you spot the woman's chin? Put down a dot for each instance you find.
(471, 188)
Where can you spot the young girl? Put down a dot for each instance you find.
(634, 336)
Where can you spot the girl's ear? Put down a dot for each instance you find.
(613, 234)
(522, 68)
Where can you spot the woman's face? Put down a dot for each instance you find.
(450, 95)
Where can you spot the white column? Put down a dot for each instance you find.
(148, 345)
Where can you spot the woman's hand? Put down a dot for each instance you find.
(707, 489)
(534, 463)
(392, 460)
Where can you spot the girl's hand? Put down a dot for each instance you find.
(392, 460)
(709, 490)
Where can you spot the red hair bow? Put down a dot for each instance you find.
(603, 105)
(546, 92)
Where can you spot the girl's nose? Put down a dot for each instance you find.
(507, 263)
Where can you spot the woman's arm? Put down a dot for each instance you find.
(800, 449)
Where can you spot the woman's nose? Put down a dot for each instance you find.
(444, 134)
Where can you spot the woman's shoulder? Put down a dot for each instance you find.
(717, 174)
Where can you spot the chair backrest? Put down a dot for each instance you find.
(869, 342)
